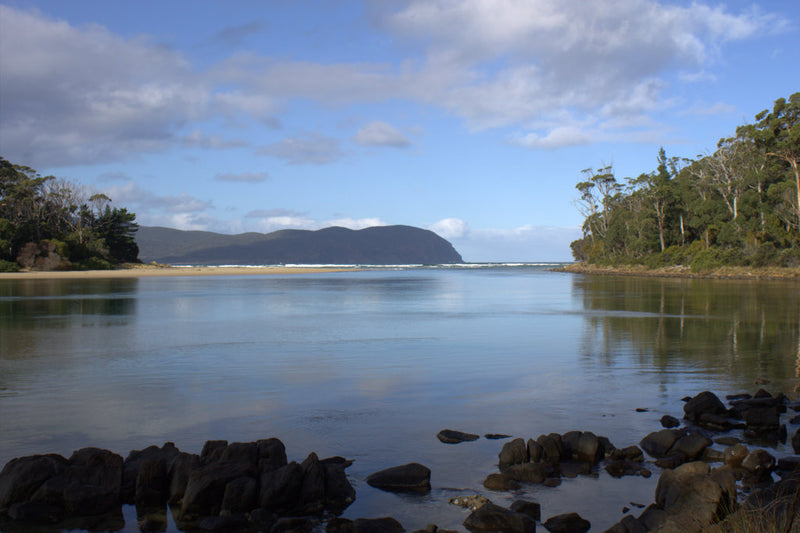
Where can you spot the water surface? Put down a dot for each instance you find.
(371, 365)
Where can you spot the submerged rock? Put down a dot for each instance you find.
(411, 477)
(449, 436)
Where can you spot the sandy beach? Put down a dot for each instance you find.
(167, 271)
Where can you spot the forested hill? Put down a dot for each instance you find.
(737, 205)
(380, 245)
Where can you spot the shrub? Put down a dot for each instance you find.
(94, 263)
(8, 266)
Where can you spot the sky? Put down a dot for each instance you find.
(471, 118)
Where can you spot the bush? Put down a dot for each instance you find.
(8, 266)
(94, 263)
(716, 257)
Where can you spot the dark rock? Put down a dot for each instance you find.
(295, 524)
(339, 525)
(704, 403)
(212, 450)
(449, 436)
(628, 524)
(710, 455)
(312, 493)
(658, 443)
(532, 509)
(500, 482)
(629, 453)
(552, 447)
(377, 525)
(761, 393)
(130, 473)
(573, 470)
(715, 422)
(642, 410)
(178, 472)
(339, 493)
(625, 467)
(496, 436)
(728, 440)
(281, 488)
(271, 455)
(759, 462)
(588, 449)
(796, 441)
(670, 461)
(21, 477)
(691, 446)
(788, 464)
(245, 453)
(206, 487)
(222, 523)
(734, 455)
(492, 517)
(762, 418)
(535, 451)
(470, 502)
(693, 496)
(567, 523)
(152, 483)
(513, 452)
(240, 495)
(36, 512)
(733, 397)
(262, 519)
(570, 442)
(552, 482)
(668, 421)
(412, 477)
(605, 446)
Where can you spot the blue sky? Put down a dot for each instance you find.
(472, 118)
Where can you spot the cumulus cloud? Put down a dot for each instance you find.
(310, 149)
(556, 138)
(450, 228)
(143, 201)
(243, 177)
(84, 95)
(381, 134)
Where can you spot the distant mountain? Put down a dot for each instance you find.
(379, 245)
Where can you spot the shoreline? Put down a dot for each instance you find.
(678, 271)
(150, 271)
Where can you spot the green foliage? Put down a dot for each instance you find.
(739, 205)
(8, 266)
(47, 223)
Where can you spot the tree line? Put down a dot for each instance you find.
(739, 205)
(48, 223)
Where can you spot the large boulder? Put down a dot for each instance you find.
(692, 496)
(491, 517)
(658, 443)
(205, 488)
(22, 476)
(411, 477)
(513, 452)
(704, 403)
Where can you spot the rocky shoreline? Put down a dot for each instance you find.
(733, 272)
(253, 487)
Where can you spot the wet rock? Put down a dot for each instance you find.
(312, 492)
(377, 525)
(280, 489)
(573, 470)
(240, 495)
(152, 454)
(152, 482)
(222, 523)
(716, 422)
(567, 523)
(531, 472)
(412, 477)
(496, 436)
(796, 441)
(500, 482)
(513, 452)
(552, 447)
(449, 436)
(491, 517)
(294, 524)
(727, 440)
(212, 450)
(624, 467)
(588, 449)
(535, 451)
(691, 446)
(532, 509)
(668, 421)
(704, 403)
(692, 496)
(629, 453)
(271, 455)
(762, 419)
(22, 476)
(178, 473)
(659, 443)
(205, 488)
(734, 455)
(339, 493)
(36, 512)
(710, 455)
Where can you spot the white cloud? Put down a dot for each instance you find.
(198, 139)
(352, 223)
(243, 177)
(555, 138)
(450, 228)
(525, 243)
(143, 202)
(381, 134)
(310, 149)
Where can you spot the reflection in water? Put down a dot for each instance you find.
(741, 328)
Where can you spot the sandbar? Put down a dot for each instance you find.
(147, 271)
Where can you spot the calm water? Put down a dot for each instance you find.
(371, 365)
